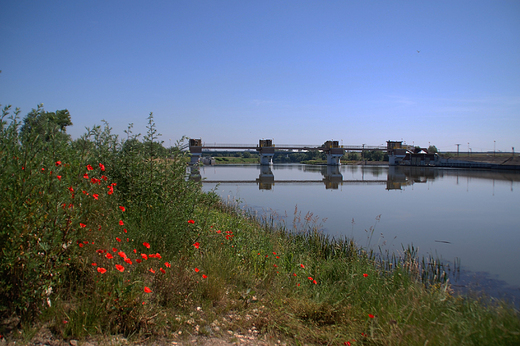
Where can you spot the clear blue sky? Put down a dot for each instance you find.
(301, 72)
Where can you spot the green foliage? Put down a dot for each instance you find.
(432, 149)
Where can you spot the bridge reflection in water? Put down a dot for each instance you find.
(396, 178)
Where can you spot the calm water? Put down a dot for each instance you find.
(447, 213)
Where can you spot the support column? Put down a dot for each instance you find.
(195, 150)
(266, 150)
(334, 159)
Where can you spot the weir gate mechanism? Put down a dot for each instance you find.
(266, 149)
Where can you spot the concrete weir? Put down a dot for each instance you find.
(266, 149)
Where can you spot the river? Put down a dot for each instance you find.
(470, 217)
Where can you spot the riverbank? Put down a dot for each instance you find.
(103, 242)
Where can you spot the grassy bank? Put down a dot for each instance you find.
(100, 238)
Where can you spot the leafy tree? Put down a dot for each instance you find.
(45, 124)
(432, 149)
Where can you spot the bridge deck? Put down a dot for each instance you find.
(287, 147)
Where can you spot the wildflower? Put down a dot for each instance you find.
(138, 260)
(146, 245)
(147, 290)
(109, 256)
(58, 163)
(197, 245)
(294, 274)
(111, 190)
(71, 189)
(196, 270)
(315, 282)
(85, 192)
(82, 225)
(122, 208)
(85, 176)
(121, 254)
(94, 264)
(275, 265)
(118, 239)
(89, 167)
(121, 223)
(158, 255)
(310, 278)
(152, 271)
(95, 195)
(365, 274)
(204, 276)
(102, 167)
(80, 244)
(124, 229)
(114, 249)
(143, 255)
(43, 169)
(371, 316)
(59, 177)
(104, 178)
(128, 260)
(101, 270)
(162, 270)
(301, 265)
(100, 251)
(120, 268)
(135, 251)
(219, 231)
(167, 264)
(191, 221)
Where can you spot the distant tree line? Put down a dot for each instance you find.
(297, 157)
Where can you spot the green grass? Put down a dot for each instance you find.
(210, 267)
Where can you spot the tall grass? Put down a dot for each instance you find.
(152, 256)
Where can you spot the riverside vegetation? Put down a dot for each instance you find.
(101, 236)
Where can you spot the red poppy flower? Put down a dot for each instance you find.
(120, 268)
(94, 264)
(158, 255)
(43, 169)
(371, 316)
(71, 189)
(310, 278)
(294, 274)
(146, 245)
(111, 190)
(122, 208)
(102, 167)
(101, 270)
(95, 196)
(196, 270)
(219, 231)
(152, 271)
(59, 177)
(128, 260)
(152, 255)
(275, 265)
(118, 239)
(58, 163)
(191, 221)
(121, 254)
(315, 282)
(143, 255)
(197, 245)
(114, 249)
(138, 260)
(109, 256)
(162, 270)
(301, 265)
(104, 178)
(82, 225)
(100, 251)
(135, 251)
(80, 244)
(147, 290)
(124, 229)
(204, 276)
(85, 176)
(121, 223)
(89, 167)
(167, 264)
(365, 275)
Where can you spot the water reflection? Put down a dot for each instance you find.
(332, 178)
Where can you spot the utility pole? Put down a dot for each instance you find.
(458, 145)
(494, 148)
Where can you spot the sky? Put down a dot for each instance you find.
(298, 72)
